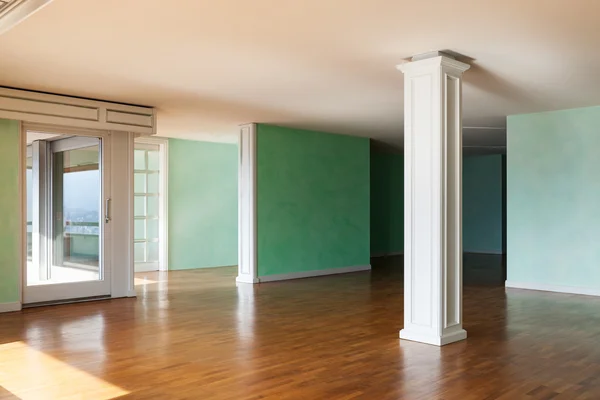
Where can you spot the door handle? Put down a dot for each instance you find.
(107, 211)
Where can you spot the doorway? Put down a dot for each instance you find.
(150, 204)
(68, 216)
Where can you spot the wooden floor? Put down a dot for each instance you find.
(196, 336)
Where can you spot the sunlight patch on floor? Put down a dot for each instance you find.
(143, 281)
(30, 374)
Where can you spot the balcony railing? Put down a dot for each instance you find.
(80, 239)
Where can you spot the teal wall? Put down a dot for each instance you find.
(9, 212)
(387, 202)
(203, 206)
(482, 204)
(312, 200)
(553, 204)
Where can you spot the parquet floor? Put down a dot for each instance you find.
(194, 335)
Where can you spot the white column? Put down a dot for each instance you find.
(247, 272)
(433, 199)
(119, 232)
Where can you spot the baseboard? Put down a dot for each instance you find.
(10, 307)
(395, 253)
(433, 339)
(310, 274)
(401, 253)
(553, 288)
(246, 279)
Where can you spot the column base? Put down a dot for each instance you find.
(246, 279)
(435, 340)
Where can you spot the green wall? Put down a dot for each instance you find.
(312, 200)
(553, 204)
(387, 202)
(482, 204)
(203, 204)
(9, 211)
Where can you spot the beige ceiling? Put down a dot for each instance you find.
(209, 65)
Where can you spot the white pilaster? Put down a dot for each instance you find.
(119, 233)
(433, 199)
(247, 272)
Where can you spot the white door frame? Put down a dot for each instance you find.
(163, 198)
(74, 290)
(119, 148)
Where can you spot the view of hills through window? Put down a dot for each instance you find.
(81, 203)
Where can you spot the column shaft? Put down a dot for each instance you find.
(433, 201)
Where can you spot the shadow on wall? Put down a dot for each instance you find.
(484, 202)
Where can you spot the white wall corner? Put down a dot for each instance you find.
(22, 210)
(247, 246)
(10, 307)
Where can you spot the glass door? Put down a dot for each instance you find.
(146, 206)
(68, 211)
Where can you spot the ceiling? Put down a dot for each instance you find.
(208, 66)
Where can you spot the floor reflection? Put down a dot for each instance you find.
(245, 312)
(420, 370)
(198, 335)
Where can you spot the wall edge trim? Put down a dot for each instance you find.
(10, 307)
(310, 274)
(495, 253)
(553, 288)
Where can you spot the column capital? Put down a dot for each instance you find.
(431, 60)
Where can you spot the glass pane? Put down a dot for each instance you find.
(153, 161)
(139, 206)
(139, 228)
(152, 229)
(139, 251)
(77, 237)
(139, 183)
(153, 183)
(152, 252)
(153, 206)
(75, 215)
(139, 159)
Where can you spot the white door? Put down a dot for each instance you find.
(68, 217)
(148, 206)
